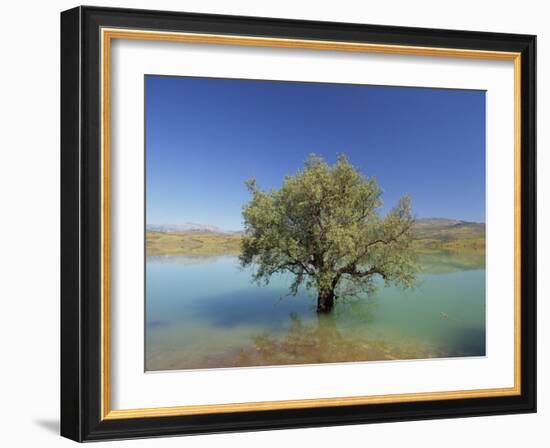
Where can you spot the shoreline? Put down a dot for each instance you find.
(204, 243)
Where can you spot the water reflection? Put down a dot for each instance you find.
(255, 306)
(322, 342)
(447, 261)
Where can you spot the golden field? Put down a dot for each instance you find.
(204, 243)
(192, 243)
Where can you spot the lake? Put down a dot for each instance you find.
(204, 312)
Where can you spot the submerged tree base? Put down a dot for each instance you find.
(325, 301)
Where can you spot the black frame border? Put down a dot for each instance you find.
(81, 224)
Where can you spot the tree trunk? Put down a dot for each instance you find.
(325, 301)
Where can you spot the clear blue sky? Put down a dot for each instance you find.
(205, 137)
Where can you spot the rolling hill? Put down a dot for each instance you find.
(443, 229)
(431, 234)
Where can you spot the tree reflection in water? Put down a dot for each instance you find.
(322, 342)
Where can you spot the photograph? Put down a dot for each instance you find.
(299, 223)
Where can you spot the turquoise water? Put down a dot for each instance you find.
(204, 312)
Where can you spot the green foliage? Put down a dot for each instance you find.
(323, 226)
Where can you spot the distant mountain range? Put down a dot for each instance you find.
(426, 228)
(448, 229)
(185, 227)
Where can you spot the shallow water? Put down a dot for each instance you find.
(204, 312)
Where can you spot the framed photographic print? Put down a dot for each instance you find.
(272, 223)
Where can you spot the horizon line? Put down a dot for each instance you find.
(225, 229)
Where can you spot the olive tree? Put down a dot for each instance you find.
(324, 227)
